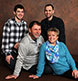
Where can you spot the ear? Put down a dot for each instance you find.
(13, 12)
(57, 37)
(53, 11)
(29, 30)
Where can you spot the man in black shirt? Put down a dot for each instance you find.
(52, 21)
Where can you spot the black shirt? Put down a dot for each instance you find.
(55, 22)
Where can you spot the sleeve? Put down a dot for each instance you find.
(69, 58)
(44, 30)
(25, 28)
(6, 38)
(41, 61)
(20, 58)
(61, 26)
(41, 39)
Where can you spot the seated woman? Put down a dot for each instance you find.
(58, 57)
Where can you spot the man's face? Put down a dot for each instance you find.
(35, 31)
(48, 11)
(19, 14)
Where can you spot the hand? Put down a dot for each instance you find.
(33, 76)
(11, 77)
(16, 45)
(75, 74)
(8, 58)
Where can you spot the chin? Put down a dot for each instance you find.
(37, 37)
(20, 18)
(51, 42)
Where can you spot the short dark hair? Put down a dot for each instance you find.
(49, 5)
(34, 22)
(54, 29)
(18, 6)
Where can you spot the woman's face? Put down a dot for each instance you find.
(52, 37)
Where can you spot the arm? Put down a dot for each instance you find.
(71, 62)
(44, 30)
(6, 38)
(41, 63)
(69, 58)
(5, 42)
(61, 26)
(25, 28)
(20, 59)
(19, 63)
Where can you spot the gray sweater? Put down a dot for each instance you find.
(27, 53)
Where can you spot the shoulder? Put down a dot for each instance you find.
(41, 38)
(25, 40)
(11, 20)
(24, 43)
(7, 24)
(57, 18)
(23, 21)
(61, 44)
(44, 20)
(44, 45)
(8, 21)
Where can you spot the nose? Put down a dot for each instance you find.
(50, 37)
(39, 31)
(47, 11)
(21, 12)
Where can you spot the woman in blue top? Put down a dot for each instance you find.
(57, 55)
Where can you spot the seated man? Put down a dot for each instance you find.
(58, 57)
(28, 50)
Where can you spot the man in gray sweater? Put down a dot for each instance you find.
(28, 50)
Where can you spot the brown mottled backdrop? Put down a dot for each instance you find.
(66, 9)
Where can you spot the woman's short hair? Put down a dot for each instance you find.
(54, 29)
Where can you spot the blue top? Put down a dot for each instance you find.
(64, 63)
